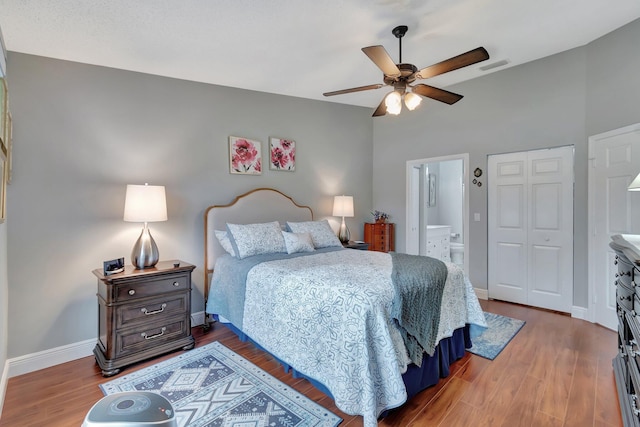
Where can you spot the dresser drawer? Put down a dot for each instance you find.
(133, 340)
(624, 296)
(151, 310)
(149, 288)
(625, 272)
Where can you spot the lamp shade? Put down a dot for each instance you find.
(635, 184)
(145, 203)
(393, 102)
(411, 100)
(343, 206)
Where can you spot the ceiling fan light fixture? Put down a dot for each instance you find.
(412, 101)
(393, 102)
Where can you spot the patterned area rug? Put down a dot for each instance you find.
(494, 339)
(213, 386)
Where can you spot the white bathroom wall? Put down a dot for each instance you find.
(450, 194)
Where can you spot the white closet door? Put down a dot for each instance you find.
(551, 229)
(507, 220)
(531, 228)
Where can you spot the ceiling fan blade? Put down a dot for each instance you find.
(353, 89)
(437, 94)
(381, 110)
(381, 58)
(463, 60)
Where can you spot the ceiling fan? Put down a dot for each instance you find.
(401, 76)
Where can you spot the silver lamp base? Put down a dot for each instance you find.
(145, 252)
(344, 234)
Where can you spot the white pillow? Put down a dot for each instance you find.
(297, 242)
(223, 238)
(321, 232)
(256, 239)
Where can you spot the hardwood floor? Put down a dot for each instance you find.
(556, 372)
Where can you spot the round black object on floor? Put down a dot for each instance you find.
(131, 409)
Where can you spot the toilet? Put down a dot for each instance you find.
(457, 253)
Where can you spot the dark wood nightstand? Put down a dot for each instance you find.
(143, 313)
(363, 246)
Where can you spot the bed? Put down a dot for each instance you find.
(342, 318)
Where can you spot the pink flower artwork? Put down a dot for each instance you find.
(245, 156)
(282, 154)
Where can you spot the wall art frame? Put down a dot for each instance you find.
(431, 202)
(282, 154)
(245, 156)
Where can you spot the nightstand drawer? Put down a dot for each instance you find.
(133, 340)
(151, 310)
(149, 288)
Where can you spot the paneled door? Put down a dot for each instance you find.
(530, 226)
(614, 162)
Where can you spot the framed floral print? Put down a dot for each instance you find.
(245, 156)
(282, 154)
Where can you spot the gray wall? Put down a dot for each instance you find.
(555, 101)
(83, 132)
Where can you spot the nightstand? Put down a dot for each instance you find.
(143, 313)
(363, 246)
(380, 236)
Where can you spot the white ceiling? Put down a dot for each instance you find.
(302, 47)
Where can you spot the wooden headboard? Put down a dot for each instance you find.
(255, 206)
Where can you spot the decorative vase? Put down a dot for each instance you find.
(380, 221)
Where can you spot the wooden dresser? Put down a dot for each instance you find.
(626, 365)
(380, 236)
(143, 313)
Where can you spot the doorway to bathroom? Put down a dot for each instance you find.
(438, 208)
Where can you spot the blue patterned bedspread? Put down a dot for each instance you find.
(327, 316)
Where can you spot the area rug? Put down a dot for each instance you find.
(494, 339)
(213, 386)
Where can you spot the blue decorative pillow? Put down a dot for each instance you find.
(297, 242)
(225, 242)
(321, 233)
(256, 239)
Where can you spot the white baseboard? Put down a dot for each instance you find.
(581, 313)
(55, 356)
(47, 358)
(197, 319)
(481, 293)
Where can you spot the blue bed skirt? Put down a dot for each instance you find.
(416, 378)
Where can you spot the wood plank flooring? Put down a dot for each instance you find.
(556, 372)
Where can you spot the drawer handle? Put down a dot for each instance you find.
(132, 291)
(150, 337)
(622, 298)
(634, 399)
(176, 284)
(160, 310)
(626, 273)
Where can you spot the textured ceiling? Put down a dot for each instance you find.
(302, 48)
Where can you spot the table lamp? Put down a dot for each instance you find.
(343, 206)
(145, 203)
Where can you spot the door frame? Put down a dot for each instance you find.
(412, 192)
(590, 314)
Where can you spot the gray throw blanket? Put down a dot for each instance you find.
(419, 283)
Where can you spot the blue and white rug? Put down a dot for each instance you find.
(494, 339)
(213, 386)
